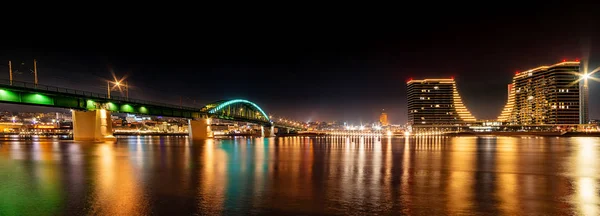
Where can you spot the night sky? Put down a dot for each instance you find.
(324, 65)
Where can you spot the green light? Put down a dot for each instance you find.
(37, 99)
(6, 95)
(143, 110)
(227, 103)
(127, 108)
(90, 104)
(111, 106)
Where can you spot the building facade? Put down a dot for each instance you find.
(436, 103)
(544, 95)
(383, 119)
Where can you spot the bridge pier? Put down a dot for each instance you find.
(199, 129)
(272, 131)
(92, 126)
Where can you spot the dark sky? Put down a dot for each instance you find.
(309, 65)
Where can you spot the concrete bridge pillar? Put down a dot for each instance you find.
(92, 126)
(199, 129)
(272, 131)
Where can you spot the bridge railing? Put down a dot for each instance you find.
(33, 86)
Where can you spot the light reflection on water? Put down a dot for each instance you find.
(301, 175)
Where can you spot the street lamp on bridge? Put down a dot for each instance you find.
(117, 84)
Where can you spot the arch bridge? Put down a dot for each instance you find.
(237, 110)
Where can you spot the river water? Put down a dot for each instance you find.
(302, 176)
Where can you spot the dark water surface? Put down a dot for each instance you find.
(307, 176)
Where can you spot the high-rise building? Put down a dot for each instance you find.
(383, 118)
(506, 116)
(436, 103)
(544, 95)
(583, 100)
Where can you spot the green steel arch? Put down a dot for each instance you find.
(237, 109)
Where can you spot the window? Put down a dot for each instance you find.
(437, 105)
(436, 87)
(422, 98)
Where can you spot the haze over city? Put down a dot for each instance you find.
(309, 72)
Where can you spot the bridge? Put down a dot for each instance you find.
(91, 111)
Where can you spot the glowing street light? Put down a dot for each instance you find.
(118, 83)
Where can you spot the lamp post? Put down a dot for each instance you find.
(10, 72)
(117, 84)
(35, 79)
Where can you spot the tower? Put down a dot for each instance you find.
(383, 118)
(583, 100)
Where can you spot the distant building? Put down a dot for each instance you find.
(383, 119)
(436, 104)
(546, 95)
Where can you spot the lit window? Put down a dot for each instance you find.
(422, 118)
(567, 90)
(422, 122)
(436, 88)
(437, 105)
(422, 98)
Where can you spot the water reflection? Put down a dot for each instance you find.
(302, 175)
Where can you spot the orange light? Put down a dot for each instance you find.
(577, 60)
(564, 60)
(452, 77)
(517, 72)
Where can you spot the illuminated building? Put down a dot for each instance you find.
(583, 100)
(544, 95)
(506, 116)
(436, 103)
(383, 119)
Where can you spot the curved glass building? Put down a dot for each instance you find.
(436, 105)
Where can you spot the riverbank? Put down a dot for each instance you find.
(523, 133)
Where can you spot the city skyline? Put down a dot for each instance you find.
(314, 74)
